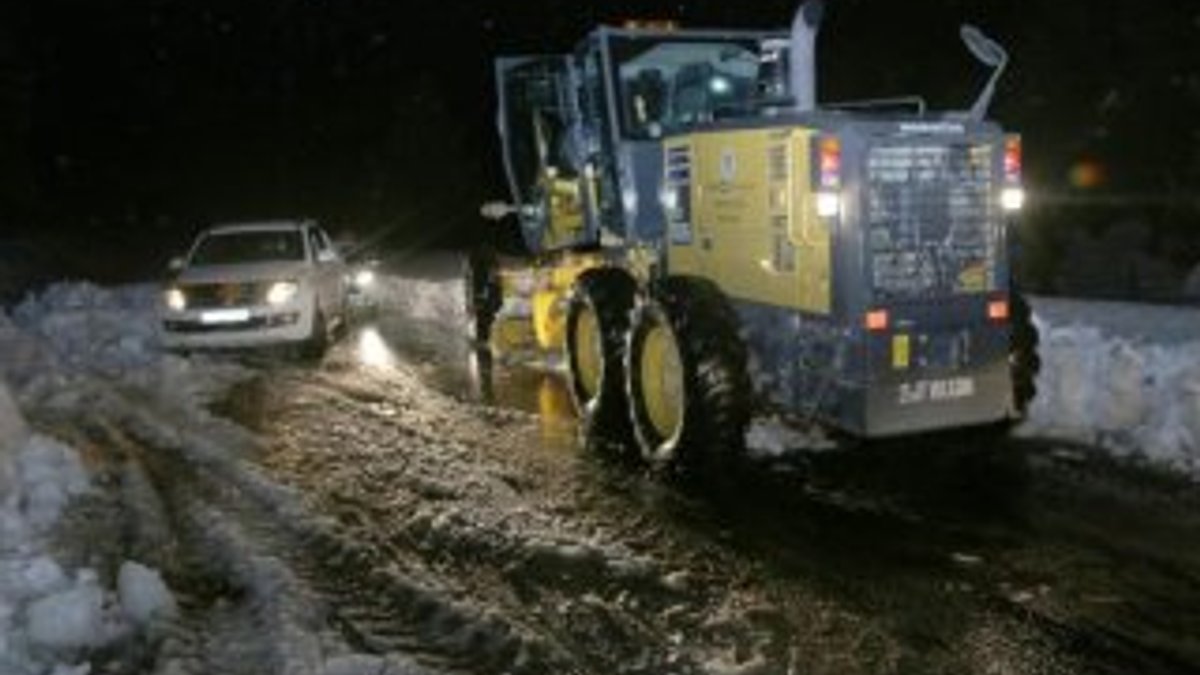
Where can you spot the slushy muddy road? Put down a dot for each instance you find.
(409, 506)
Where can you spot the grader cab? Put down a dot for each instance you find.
(705, 238)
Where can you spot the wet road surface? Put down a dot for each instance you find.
(406, 506)
(959, 553)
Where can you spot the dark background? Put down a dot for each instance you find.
(127, 126)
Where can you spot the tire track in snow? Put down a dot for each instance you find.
(267, 535)
(613, 609)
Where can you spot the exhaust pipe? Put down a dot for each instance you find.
(803, 55)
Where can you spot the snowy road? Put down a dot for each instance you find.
(404, 507)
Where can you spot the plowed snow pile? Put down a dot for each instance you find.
(428, 289)
(59, 349)
(1123, 377)
(49, 616)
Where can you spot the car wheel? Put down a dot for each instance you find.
(318, 340)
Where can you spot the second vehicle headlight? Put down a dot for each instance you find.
(282, 292)
(363, 279)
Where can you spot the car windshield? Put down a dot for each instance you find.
(232, 248)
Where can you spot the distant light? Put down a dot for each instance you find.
(720, 85)
(829, 204)
(1012, 199)
(1087, 174)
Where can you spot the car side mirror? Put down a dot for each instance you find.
(176, 264)
(326, 256)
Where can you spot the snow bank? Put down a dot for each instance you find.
(12, 426)
(71, 619)
(1121, 376)
(13, 434)
(428, 287)
(42, 611)
(61, 342)
(436, 300)
(49, 475)
(143, 593)
(48, 618)
(110, 330)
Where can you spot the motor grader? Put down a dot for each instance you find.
(705, 239)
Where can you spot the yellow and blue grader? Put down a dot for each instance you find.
(706, 239)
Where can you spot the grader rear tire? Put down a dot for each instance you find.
(1023, 360)
(596, 325)
(686, 378)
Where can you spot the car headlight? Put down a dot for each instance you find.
(282, 292)
(363, 279)
(175, 299)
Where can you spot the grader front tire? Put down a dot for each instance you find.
(596, 325)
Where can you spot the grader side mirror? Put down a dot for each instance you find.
(991, 54)
(984, 48)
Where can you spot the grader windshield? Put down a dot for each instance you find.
(669, 83)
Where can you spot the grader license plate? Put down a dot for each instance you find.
(926, 391)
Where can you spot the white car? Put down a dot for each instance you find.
(256, 284)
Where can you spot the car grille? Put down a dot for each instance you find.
(207, 296)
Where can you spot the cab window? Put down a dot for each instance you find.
(666, 85)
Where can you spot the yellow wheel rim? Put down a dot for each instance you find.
(662, 381)
(589, 351)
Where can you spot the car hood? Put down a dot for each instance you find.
(249, 272)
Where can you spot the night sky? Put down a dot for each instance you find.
(144, 119)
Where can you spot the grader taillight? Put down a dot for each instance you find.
(829, 161)
(1012, 160)
(829, 177)
(1012, 195)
